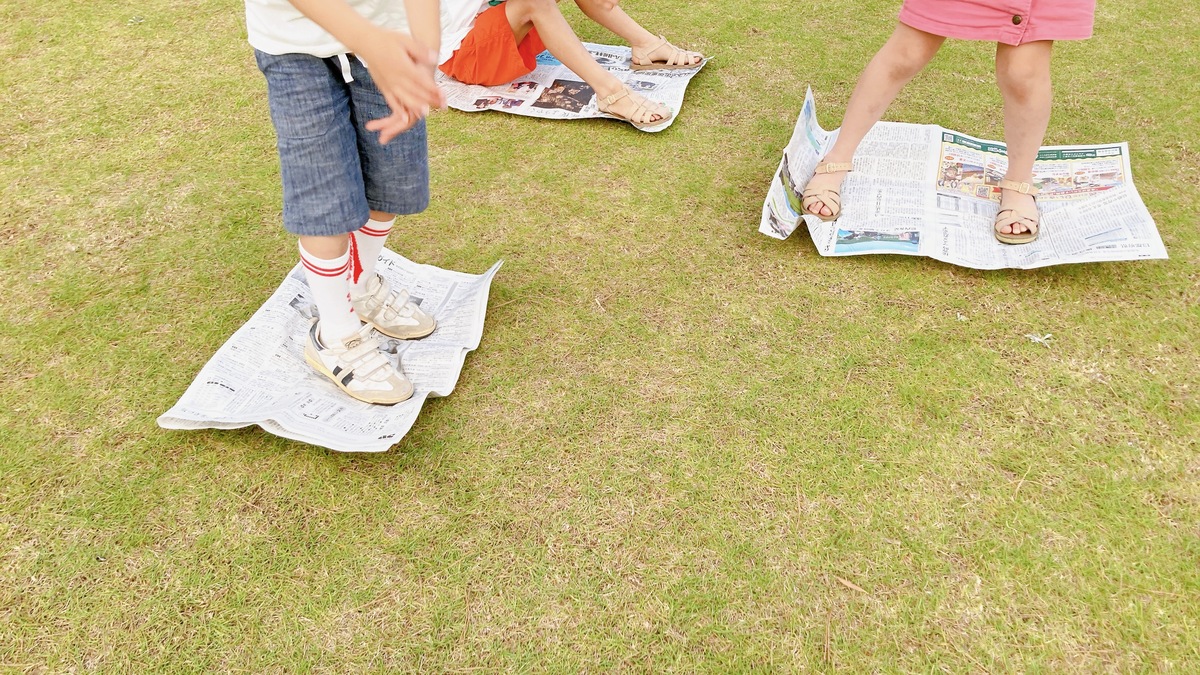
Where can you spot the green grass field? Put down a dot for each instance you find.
(682, 446)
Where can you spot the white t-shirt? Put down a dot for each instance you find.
(276, 27)
(458, 18)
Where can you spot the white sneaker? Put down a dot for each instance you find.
(391, 312)
(357, 367)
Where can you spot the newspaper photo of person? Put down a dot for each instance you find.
(569, 95)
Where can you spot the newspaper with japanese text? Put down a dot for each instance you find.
(929, 191)
(259, 376)
(553, 91)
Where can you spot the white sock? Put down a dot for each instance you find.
(329, 282)
(368, 243)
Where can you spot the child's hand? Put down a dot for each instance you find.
(393, 125)
(402, 69)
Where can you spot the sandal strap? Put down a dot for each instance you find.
(1023, 188)
(607, 101)
(644, 56)
(1014, 217)
(827, 196)
(643, 111)
(678, 57)
(833, 167)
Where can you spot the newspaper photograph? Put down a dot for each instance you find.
(929, 191)
(553, 91)
(259, 376)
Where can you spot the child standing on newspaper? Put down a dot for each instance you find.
(490, 42)
(352, 155)
(1024, 31)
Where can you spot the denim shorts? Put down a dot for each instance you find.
(335, 171)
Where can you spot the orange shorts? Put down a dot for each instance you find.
(489, 54)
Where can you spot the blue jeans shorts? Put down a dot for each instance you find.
(335, 171)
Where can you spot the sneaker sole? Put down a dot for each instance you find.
(358, 396)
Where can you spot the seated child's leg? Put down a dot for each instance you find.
(506, 39)
(498, 49)
(648, 48)
(562, 42)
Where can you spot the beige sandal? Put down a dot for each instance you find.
(643, 115)
(828, 197)
(1015, 217)
(678, 58)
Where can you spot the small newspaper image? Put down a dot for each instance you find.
(929, 191)
(259, 376)
(553, 91)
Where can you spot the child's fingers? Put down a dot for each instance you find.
(414, 87)
(393, 125)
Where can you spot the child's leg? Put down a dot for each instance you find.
(904, 55)
(327, 268)
(1023, 73)
(323, 201)
(562, 42)
(369, 241)
(615, 19)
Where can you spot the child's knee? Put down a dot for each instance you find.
(905, 58)
(532, 8)
(1022, 81)
(903, 63)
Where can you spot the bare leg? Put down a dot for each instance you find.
(611, 16)
(904, 55)
(615, 19)
(326, 247)
(336, 245)
(562, 42)
(1023, 74)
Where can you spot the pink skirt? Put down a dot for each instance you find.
(1012, 22)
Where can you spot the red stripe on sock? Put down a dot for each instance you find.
(356, 267)
(372, 232)
(325, 271)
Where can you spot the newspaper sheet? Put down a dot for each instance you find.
(259, 375)
(929, 191)
(554, 92)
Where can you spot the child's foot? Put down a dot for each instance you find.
(633, 108)
(662, 55)
(822, 197)
(390, 312)
(1018, 219)
(357, 366)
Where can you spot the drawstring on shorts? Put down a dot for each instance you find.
(344, 62)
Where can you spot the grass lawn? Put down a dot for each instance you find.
(682, 446)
